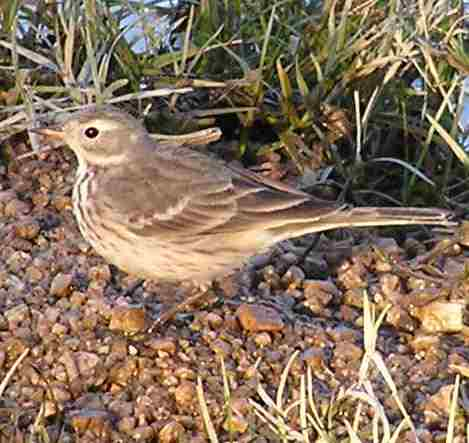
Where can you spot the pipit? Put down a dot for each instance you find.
(170, 213)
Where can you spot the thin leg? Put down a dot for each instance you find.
(313, 244)
(171, 312)
(133, 287)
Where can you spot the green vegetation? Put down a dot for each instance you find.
(363, 96)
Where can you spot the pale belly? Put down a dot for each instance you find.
(199, 259)
(154, 259)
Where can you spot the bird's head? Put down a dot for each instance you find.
(100, 137)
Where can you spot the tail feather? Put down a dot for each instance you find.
(369, 216)
(366, 216)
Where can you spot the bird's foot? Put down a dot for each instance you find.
(171, 312)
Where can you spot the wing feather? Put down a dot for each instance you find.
(178, 192)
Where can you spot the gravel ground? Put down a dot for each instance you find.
(93, 374)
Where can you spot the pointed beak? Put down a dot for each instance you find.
(50, 132)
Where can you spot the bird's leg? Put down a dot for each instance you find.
(133, 287)
(313, 244)
(200, 292)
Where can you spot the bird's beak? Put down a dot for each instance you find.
(50, 132)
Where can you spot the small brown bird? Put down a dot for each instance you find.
(170, 213)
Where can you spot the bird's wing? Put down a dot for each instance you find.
(178, 191)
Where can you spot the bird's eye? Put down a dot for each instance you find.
(91, 132)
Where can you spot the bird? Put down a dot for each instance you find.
(167, 212)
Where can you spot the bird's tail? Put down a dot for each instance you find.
(367, 216)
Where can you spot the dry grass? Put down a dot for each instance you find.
(316, 425)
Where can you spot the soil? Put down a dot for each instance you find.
(90, 371)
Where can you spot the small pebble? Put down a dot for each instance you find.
(129, 319)
(61, 285)
(27, 229)
(258, 318)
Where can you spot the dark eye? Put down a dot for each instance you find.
(91, 132)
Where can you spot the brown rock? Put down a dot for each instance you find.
(415, 283)
(348, 314)
(70, 366)
(59, 329)
(7, 196)
(318, 294)
(162, 344)
(258, 318)
(221, 347)
(40, 199)
(263, 339)
(241, 405)
(60, 393)
(17, 314)
(459, 365)
(230, 286)
(235, 424)
(184, 394)
(100, 273)
(185, 373)
(34, 274)
(144, 408)
(143, 433)
(61, 202)
(87, 362)
(98, 422)
(214, 320)
(129, 319)
(354, 297)
(383, 266)
(422, 297)
(294, 277)
(15, 207)
(352, 275)
(441, 317)
(389, 283)
(123, 372)
(27, 229)
(347, 353)
(425, 342)
(18, 261)
(315, 358)
(312, 287)
(271, 276)
(127, 424)
(231, 323)
(400, 319)
(78, 298)
(21, 244)
(438, 405)
(172, 432)
(121, 408)
(61, 285)
(14, 348)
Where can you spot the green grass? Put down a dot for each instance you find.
(328, 87)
